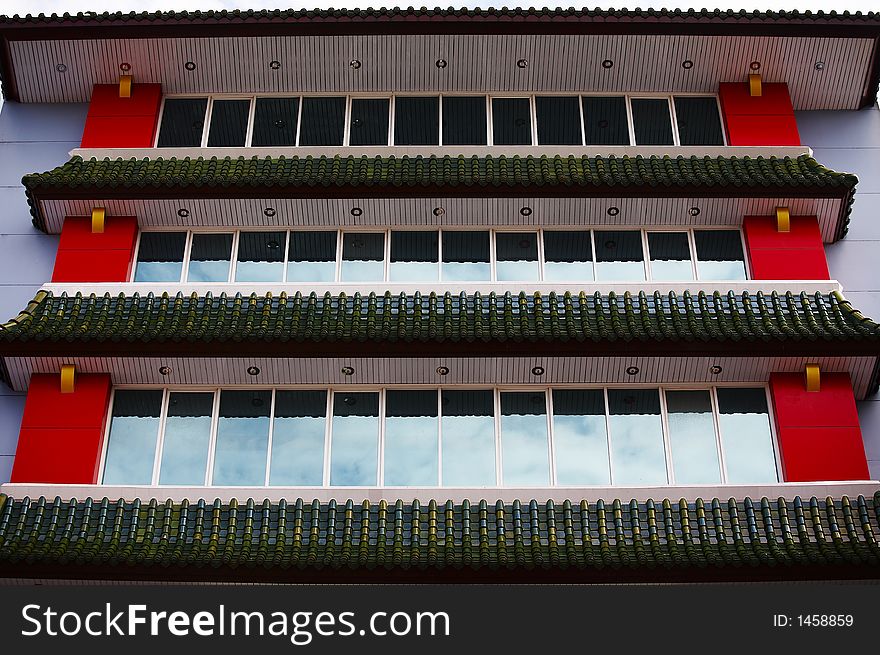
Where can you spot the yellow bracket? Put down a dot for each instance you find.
(125, 86)
(98, 220)
(783, 219)
(68, 373)
(754, 84)
(813, 376)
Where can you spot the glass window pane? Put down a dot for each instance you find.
(411, 450)
(209, 258)
(692, 437)
(525, 459)
(464, 121)
(242, 438)
(619, 256)
(416, 121)
(468, 438)
(363, 257)
(670, 256)
(466, 256)
(605, 122)
(260, 257)
(322, 122)
(698, 121)
(275, 122)
(746, 439)
(229, 121)
(511, 122)
(183, 121)
(134, 431)
(354, 448)
(298, 438)
(580, 437)
(720, 255)
(414, 256)
(311, 257)
(160, 257)
(568, 256)
(638, 456)
(517, 256)
(187, 437)
(369, 122)
(559, 120)
(651, 122)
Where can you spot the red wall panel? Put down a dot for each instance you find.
(819, 434)
(114, 122)
(84, 256)
(62, 434)
(765, 120)
(795, 255)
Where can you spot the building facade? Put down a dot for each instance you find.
(410, 295)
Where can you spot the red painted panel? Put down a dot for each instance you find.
(789, 264)
(47, 407)
(119, 132)
(736, 99)
(823, 454)
(761, 232)
(819, 434)
(57, 456)
(92, 266)
(144, 101)
(120, 233)
(832, 406)
(762, 130)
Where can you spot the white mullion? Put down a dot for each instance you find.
(160, 437)
(548, 406)
(533, 119)
(439, 437)
(747, 264)
(440, 119)
(105, 443)
(299, 114)
(630, 123)
(380, 471)
(162, 115)
(716, 423)
(581, 112)
(608, 437)
(492, 254)
(135, 255)
(346, 127)
(187, 253)
(692, 245)
(646, 255)
(233, 264)
(593, 249)
(496, 402)
(340, 240)
(667, 440)
(206, 128)
(490, 126)
(774, 437)
(721, 120)
(540, 237)
(212, 444)
(386, 254)
(271, 435)
(440, 254)
(674, 118)
(249, 132)
(286, 254)
(392, 106)
(328, 433)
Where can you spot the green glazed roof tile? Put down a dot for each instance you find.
(453, 175)
(421, 318)
(300, 535)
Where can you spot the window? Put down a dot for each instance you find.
(559, 120)
(449, 120)
(275, 121)
(651, 122)
(605, 121)
(511, 122)
(229, 121)
(311, 256)
(416, 121)
(183, 122)
(698, 121)
(449, 437)
(160, 257)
